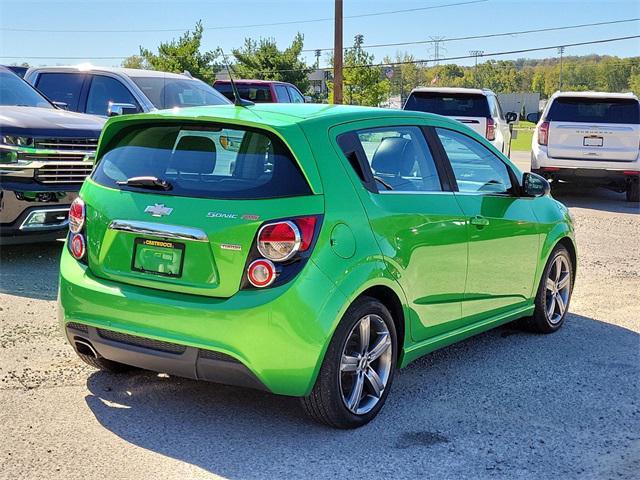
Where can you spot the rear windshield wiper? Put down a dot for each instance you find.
(384, 184)
(147, 182)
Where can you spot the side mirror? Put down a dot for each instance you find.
(115, 109)
(534, 185)
(61, 105)
(533, 117)
(511, 117)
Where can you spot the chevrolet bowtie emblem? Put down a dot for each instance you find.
(158, 210)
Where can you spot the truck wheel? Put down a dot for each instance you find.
(633, 191)
(358, 368)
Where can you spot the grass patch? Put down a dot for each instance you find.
(525, 132)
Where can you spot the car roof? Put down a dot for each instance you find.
(593, 94)
(281, 114)
(129, 72)
(474, 91)
(245, 81)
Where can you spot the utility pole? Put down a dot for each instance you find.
(318, 52)
(437, 47)
(476, 54)
(337, 54)
(561, 52)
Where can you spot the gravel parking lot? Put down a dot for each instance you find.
(505, 404)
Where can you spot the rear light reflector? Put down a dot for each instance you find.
(550, 169)
(77, 246)
(279, 241)
(307, 226)
(77, 214)
(631, 172)
(543, 133)
(491, 129)
(261, 273)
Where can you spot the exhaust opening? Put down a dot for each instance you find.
(85, 348)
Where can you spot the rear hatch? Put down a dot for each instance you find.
(599, 129)
(472, 109)
(176, 207)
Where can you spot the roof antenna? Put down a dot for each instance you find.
(238, 101)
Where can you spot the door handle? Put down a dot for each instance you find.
(480, 221)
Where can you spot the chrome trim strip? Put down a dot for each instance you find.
(176, 232)
(63, 223)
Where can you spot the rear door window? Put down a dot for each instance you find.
(282, 94)
(104, 90)
(594, 110)
(399, 157)
(203, 161)
(62, 87)
(449, 104)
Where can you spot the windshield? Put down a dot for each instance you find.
(177, 92)
(16, 92)
(594, 110)
(449, 104)
(206, 161)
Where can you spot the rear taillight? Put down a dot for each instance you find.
(77, 246)
(281, 250)
(77, 219)
(543, 133)
(76, 215)
(491, 129)
(261, 273)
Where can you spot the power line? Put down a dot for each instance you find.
(489, 35)
(229, 27)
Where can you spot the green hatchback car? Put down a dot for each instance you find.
(305, 250)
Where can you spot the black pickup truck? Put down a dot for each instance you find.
(45, 155)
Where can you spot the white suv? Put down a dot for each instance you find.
(591, 138)
(478, 109)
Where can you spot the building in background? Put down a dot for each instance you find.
(514, 102)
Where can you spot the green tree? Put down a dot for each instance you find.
(363, 84)
(406, 75)
(135, 61)
(264, 61)
(180, 55)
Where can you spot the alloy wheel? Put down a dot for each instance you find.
(558, 286)
(366, 363)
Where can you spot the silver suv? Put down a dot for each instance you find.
(109, 91)
(591, 138)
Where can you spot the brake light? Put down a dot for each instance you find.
(280, 241)
(77, 246)
(543, 133)
(261, 273)
(491, 129)
(76, 215)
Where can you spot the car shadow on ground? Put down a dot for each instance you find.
(30, 270)
(594, 198)
(505, 403)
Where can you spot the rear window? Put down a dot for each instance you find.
(449, 104)
(255, 93)
(203, 161)
(594, 110)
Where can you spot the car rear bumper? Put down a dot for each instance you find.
(272, 339)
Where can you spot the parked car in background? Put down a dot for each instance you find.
(478, 109)
(45, 155)
(17, 69)
(261, 91)
(591, 138)
(110, 91)
(345, 243)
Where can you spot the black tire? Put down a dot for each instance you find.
(325, 404)
(102, 363)
(540, 321)
(633, 192)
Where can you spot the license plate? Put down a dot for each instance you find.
(158, 257)
(592, 141)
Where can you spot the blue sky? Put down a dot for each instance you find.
(491, 16)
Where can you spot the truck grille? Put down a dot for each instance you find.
(83, 144)
(60, 173)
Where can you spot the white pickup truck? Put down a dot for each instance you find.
(591, 138)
